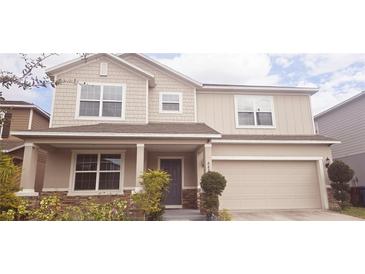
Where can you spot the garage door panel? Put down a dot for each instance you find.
(269, 184)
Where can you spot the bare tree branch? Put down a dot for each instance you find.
(27, 79)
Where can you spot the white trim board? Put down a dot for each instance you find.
(303, 142)
(111, 134)
(266, 158)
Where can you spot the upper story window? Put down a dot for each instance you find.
(170, 102)
(101, 101)
(254, 111)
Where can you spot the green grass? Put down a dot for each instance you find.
(355, 212)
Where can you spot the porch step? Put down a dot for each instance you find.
(183, 215)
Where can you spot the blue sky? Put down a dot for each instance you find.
(338, 76)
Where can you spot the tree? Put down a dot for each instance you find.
(27, 79)
(213, 184)
(340, 174)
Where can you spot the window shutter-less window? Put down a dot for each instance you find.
(103, 69)
(6, 125)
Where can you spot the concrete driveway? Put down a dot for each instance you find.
(288, 215)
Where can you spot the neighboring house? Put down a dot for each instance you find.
(20, 115)
(115, 116)
(346, 122)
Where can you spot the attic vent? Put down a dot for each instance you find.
(103, 69)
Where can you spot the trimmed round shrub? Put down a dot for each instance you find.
(213, 183)
(339, 172)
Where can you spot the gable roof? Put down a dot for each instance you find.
(23, 104)
(348, 101)
(163, 67)
(151, 130)
(78, 61)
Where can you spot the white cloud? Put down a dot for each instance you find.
(324, 63)
(15, 64)
(225, 68)
(284, 61)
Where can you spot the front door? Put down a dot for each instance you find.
(173, 167)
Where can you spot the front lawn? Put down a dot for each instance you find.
(358, 212)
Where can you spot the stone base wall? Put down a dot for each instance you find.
(77, 200)
(190, 198)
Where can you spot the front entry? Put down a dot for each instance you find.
(174, 168)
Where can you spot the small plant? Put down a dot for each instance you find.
(213, 185)
(155, 184)
(49, 209)
(340, 174)
(224, 215)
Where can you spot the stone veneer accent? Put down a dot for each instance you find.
(190, 198)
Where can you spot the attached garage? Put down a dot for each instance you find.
(270, 184)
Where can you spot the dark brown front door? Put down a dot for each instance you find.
(173, 167)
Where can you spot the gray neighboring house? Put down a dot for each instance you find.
(346, 122)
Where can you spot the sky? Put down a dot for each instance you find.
(338, 76)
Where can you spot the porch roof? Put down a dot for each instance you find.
(9, 145)
(157, 130)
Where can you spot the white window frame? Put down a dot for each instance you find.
(100, 117)
(73, 192)
(254, 111)
(170, 93)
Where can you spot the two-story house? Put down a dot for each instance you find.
(346, 122)
(115, 116)
(20, 115)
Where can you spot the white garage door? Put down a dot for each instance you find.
(269, 184)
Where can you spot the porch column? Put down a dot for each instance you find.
(207, 157)
(29, 168)
(139, 165)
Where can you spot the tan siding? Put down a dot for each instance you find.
(19, 119)
(346, 124)
(39, 121)
(292, 114)
(66, 94)
(190, 178)
(166, 82)
(271, 150)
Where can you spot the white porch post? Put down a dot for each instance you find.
(207, 157)
(29, 168)
(139, 165)
(322, 184)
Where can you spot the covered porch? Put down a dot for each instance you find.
(82, 167)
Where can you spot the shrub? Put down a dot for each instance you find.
(224, 215)
(213, 184)
(9, 184)
(340, 174)
(49, 209)
(155, 184)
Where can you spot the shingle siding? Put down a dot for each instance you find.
(66, 94)
(347, 124)
(166, 82)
